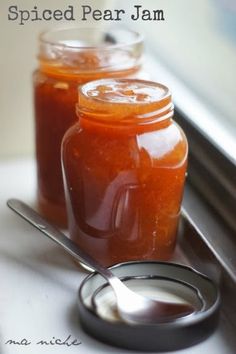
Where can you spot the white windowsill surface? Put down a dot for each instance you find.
(39, 283)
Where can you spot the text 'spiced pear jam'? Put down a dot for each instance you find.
(124, 165)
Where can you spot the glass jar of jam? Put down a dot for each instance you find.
(124, 165)
(67, 58)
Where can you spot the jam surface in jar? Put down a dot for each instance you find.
(124, 165)
(68, 58)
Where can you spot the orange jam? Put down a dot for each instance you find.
(68, 58)
(124, 165)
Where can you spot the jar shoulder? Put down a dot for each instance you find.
(165, 145)
(40, 78)
(160, 147)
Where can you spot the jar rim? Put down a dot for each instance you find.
(159, 108)
(137, 38)
(83, 89)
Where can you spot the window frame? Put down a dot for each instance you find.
(211, 169)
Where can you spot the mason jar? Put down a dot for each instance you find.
(124, 165)
(68, 58)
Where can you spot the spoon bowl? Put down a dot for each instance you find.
(132, 307)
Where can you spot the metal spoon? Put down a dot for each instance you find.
(132, 307)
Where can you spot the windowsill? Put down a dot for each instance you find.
(211, 228)
(45, 271)
(208, 244)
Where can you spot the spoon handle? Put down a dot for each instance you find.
(32, 217)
